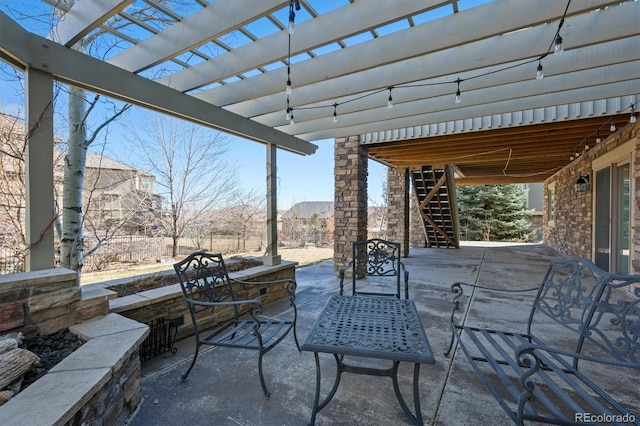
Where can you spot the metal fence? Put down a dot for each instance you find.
(136, 249)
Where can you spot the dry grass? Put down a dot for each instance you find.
(302, 256)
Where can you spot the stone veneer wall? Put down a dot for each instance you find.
(44, 302)
(398, 207)
(99, 383)
(571, 234)
(351, 166)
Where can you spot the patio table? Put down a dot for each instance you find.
(374, 327)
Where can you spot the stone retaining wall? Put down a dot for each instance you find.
(166, 302)
(98, 384)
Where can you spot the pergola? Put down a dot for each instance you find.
(386, 71)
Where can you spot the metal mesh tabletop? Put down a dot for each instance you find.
(376, 327)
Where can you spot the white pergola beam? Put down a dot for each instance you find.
(83, 71)
(520, 92)
(586, 58)
(84, 17)
(469, 60)
(328, 28)
(445, 33)
(623, 88)
(209, 23)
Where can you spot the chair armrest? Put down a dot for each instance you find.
(456, 288)
(255, 303)
(291, 283)
(527, 352)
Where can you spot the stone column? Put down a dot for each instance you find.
(416, 225)
(398, 207)
(350, 171)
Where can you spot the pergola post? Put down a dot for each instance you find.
(272, 257)
(39, 203)
(350, 206)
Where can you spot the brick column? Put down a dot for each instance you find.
(350, 198)
(398, 207)
(417, 237)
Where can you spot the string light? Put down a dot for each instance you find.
(291, 122)
(458, 96)
(632, 117)
(557, 41)
(558, 48)
(612, 128)
(539, 73)
(335, 113)
(292, 16)
(598, 139)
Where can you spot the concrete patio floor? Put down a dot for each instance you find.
(224, 389)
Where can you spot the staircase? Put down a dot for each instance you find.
(435, 193)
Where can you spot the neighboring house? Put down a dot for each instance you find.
(308, 222)
(117, 193)
(116, 196)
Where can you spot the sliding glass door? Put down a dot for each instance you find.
(613, 217)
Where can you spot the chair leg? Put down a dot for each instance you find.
(262, 382)
(193, 362)
(295, 337)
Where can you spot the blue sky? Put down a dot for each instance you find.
(301, 178)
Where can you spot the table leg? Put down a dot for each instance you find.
(317, 406)
(417, 417)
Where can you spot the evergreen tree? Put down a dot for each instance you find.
(494, 213)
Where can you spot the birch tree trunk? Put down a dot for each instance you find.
(72, 241)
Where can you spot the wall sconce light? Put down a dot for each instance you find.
(582, 184)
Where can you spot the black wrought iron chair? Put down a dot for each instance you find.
(379, 262)
(206, 286)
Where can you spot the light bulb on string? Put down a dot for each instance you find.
(292, 16)
(586, 146)
(632, 118)
(598, 139)
(539, 73)
(458, 95)
(335, 113)
(612, 128)
(291, 122)
(558, 48)
(390, 102)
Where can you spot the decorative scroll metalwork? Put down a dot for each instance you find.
(376, 258)
(615, 328)
(569, 291)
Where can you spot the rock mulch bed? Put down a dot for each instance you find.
(26, 360)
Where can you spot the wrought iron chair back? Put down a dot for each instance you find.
(375, 258)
